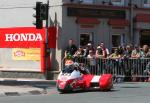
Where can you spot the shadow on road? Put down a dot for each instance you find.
(130, 87)
(86, 91)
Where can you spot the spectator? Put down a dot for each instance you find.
(136, 53)
(115, 55)
(148, 53)
(147, 71)
(88, 47)
(121, 50)
(126, 67)
(144, 51)
(105, 50)
(91, 55)
(128, 51)
(115, 61)
(71, 48)
(100, 53)
(79, 55)
(92, 61)
(79, 52)
(136, 70)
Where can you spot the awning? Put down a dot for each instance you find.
(87, 21)
(118, 22)
(142, 18)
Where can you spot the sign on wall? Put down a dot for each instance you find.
(26, 37)
(26, 54)
(27, 44)
(22, 37)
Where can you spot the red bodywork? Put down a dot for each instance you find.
(85, 82)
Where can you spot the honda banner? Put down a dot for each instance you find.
(25, 37)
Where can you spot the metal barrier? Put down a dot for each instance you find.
(118, 67)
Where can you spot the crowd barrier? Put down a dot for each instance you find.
(127, 67)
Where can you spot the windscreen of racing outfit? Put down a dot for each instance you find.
(80, 68)
(68, 69)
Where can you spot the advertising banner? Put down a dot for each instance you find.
(26, 37)
(26, 54)
(21, 37)
(27, 43)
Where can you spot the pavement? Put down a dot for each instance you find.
(26, 81)
(24, 86)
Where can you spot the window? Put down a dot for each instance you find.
(145, 37)
(116, 40)
(147, 3)
(85, 38)
(87, 1)
(118, 2)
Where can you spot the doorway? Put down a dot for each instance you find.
(116, 40)
(145, 37)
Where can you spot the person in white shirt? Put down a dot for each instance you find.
(92, 61)
(105, 50)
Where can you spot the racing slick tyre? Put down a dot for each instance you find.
(66, 90)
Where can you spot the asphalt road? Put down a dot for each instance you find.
(122, 93)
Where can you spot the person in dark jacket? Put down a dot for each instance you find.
(71, 48)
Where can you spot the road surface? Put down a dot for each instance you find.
(122, 93)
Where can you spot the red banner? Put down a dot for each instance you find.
(21, 37)
(25, 37)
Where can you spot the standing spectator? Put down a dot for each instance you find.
(71, 48)
(115, 60)
(106, 51)
(145, 50)
(126, 65)
(100, 53)
(92, 61)
(136, 53)
(143, 61)
(79, 55)
(147, 72)
(121, 50)
(128, 51)
(148, 53)
(115, 55)
(88, 48)
(79, 52)
(136, 70)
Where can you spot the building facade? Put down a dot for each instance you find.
(114, 22)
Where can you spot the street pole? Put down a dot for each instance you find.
(131, 23)
(47, 50)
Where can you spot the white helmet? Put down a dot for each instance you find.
(76, 64)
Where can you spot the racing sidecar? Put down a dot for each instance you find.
(71, 79)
